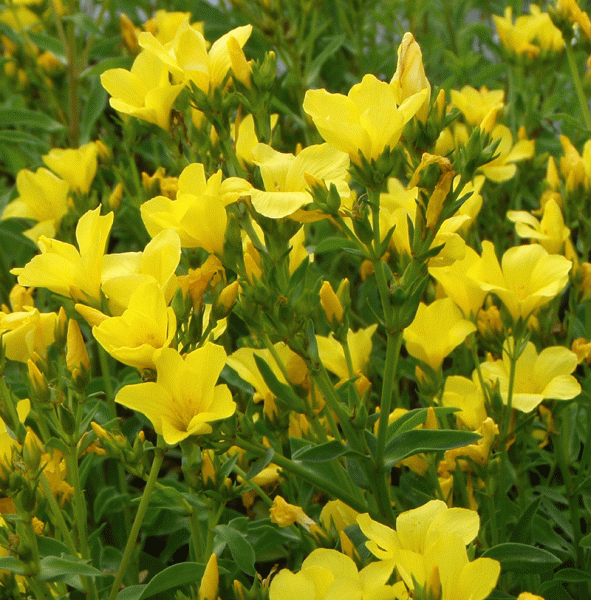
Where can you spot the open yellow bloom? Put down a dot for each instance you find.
(187, 56)
(285, 514)
(65, 270)
(284, 177)
(146, 326)
(184, 399)
(571, 10)
(420, 548)
(503, 168)
(43, 197)
(327, 574)
(476, 104)
(435, 331)
(164, 24)
(198, 214)
(547, 375)
(529, 277)
(144, 92)
(531, 34)
(551, 232)
(364, 122)
(467, 395)
(76, 166)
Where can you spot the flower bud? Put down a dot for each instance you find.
(39, 389)
(77, 360)
(331, 304)
(129, 33)
(208, 590)
(225, 301)
(115, 197)
(285, 514)
(241, 68)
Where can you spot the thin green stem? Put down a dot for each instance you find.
(572, 63)
(197, 536)
(139, 517)
(58, 515)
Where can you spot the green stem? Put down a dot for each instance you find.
(197, 536)
(139, 517)
(58, 515)
(357, 502)
(572, 63)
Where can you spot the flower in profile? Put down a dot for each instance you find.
(528, 278)
(76, 166)
(327, 574)
(198, 214)
(164, 24)
(146, 326)
(144, 92)
(572, 11)
(502, 168)
(467, 395)
(551, 232)
(65, 270)
(27, 334)
(184, 399)
(531, 34)
(366, 121)
(476, 104)
(285, 514)
(187, 56)
(537, 377)
(43, 197)
(435, 331)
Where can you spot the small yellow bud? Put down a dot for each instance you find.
(76, 356)
(39, 389)
(20, 297)
(115, 197)
(207, 468)
(226, 300)
(241, 68)
(331, 304)
(529, 596)
(32, 450)
(129, 33)
(208, 590)
(582, 348)
(48, 61)
(488, 122)
(103, 152)
(585, 288)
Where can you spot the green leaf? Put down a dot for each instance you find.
(572, 575)
(53, 568)
(280, 390)
(84, 22)
(585, 541)
(323, 452)
(46, 42)
(21, 137)
(172, 577)
(259, 464)
(13, 564)
(425, 440)
(242, 552)
(108, 500)
(132, 592)
(523, 528)
(93, 109)
(521, 558)
(30, 119)
(332, 244)
(415, 417)
(331, 48)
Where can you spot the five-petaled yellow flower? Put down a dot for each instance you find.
(184, 399)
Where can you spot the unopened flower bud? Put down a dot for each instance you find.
(129, 33)
(225, 301)
(115, 197)
(208, 590)
(39, 389)
(241, 68)
(331, 304)
(32, 450)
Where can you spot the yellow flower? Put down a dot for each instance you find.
(332, 355)
(417, 546)
(572, 11)
(285, 514)
(196, 281)
(27, 334)
(530, 34)
(285, 178)
(327, 574)
(333, 309)
(208, 588)
(410, 77)
(122, 273)
(338, 514)
(144, 92)
(184, 400)
(164, 24)
(528, 279)
(77, 360)
(65, 270)
(547, 375)
(476, 104)
(435, 331)
(198, 214)
(43, 197)
(146, 326)
(503, 168)
(460, 282)
(551, 232)
(188, 59)
(467, 395)
(75, 166)
(364, 122)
